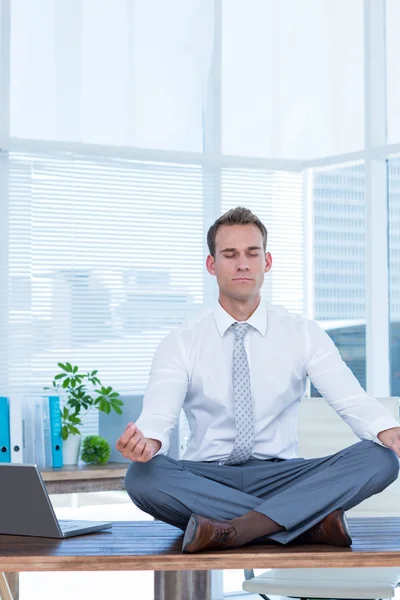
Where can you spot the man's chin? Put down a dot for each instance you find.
(237, 294)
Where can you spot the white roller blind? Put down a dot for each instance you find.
(140, 73)
(292, 77)
(123, 73)
(102, 258)
(276, 197)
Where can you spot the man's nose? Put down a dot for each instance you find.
(242, 266)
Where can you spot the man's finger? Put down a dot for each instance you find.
(139, 447)
(147, 453)
(133, 441)
(148, 450)
(125, 437)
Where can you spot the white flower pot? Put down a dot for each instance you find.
(70, 449)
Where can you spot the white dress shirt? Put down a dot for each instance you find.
(192, 369)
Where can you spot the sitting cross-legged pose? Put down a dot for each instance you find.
(239, 372)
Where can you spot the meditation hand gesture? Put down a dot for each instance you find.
(133, 445)
(391, 439)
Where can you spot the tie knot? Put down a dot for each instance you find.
(240, 330)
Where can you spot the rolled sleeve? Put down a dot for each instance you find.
(166, 391)
(338, 385)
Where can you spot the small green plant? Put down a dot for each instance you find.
(81, 391)
(95, 449)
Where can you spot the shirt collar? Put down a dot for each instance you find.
(258, 319)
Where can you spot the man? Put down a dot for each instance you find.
(239, 372)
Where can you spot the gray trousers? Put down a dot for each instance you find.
(296, 493)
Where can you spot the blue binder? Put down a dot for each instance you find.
(5, 454)
(55, 431)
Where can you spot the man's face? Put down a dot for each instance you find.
(240, 262)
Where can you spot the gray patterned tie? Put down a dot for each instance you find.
(244, 441)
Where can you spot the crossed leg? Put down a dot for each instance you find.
(293, 494)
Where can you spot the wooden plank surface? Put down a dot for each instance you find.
(85, 478)
(88, 485)
(82, 472)
(154, 545)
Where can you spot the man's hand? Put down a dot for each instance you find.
(133, 445)
(391, 439)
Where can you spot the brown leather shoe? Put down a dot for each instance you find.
(332, 530)
(208, 534)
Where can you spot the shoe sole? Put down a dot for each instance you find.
(190, 534)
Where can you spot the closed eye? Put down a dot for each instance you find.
(252, 254)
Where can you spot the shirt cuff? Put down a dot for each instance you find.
(380, 425)
(155, 436)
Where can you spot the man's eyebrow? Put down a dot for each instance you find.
(234, 249)
(228, 250)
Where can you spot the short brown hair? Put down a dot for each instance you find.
(235, 216)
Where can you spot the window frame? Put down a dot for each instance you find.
(375, 155)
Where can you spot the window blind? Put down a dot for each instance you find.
(105, 256)
(276, 197)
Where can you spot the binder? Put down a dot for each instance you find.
(16, 437)
(46, 432)
(28, 431)
(55, 431)
(40, 460)
(5, 455)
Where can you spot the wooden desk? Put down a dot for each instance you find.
(154, 545)
(110, 477)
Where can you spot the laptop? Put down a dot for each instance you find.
(25, 507)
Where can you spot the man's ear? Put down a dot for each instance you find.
(210, 264)
(268, 262)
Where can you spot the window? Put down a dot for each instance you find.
(339, 262)
(282, 97)
(394, 272)
(106, 256)
(105, 72)
(273, 196)
(393, 76)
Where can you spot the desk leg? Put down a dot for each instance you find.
(13, 582)
(182, 585)
(5, 592)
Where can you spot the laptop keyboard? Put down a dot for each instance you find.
(66, 525)
(69, 525)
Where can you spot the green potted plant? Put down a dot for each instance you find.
(96, 450)
(80, 392)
